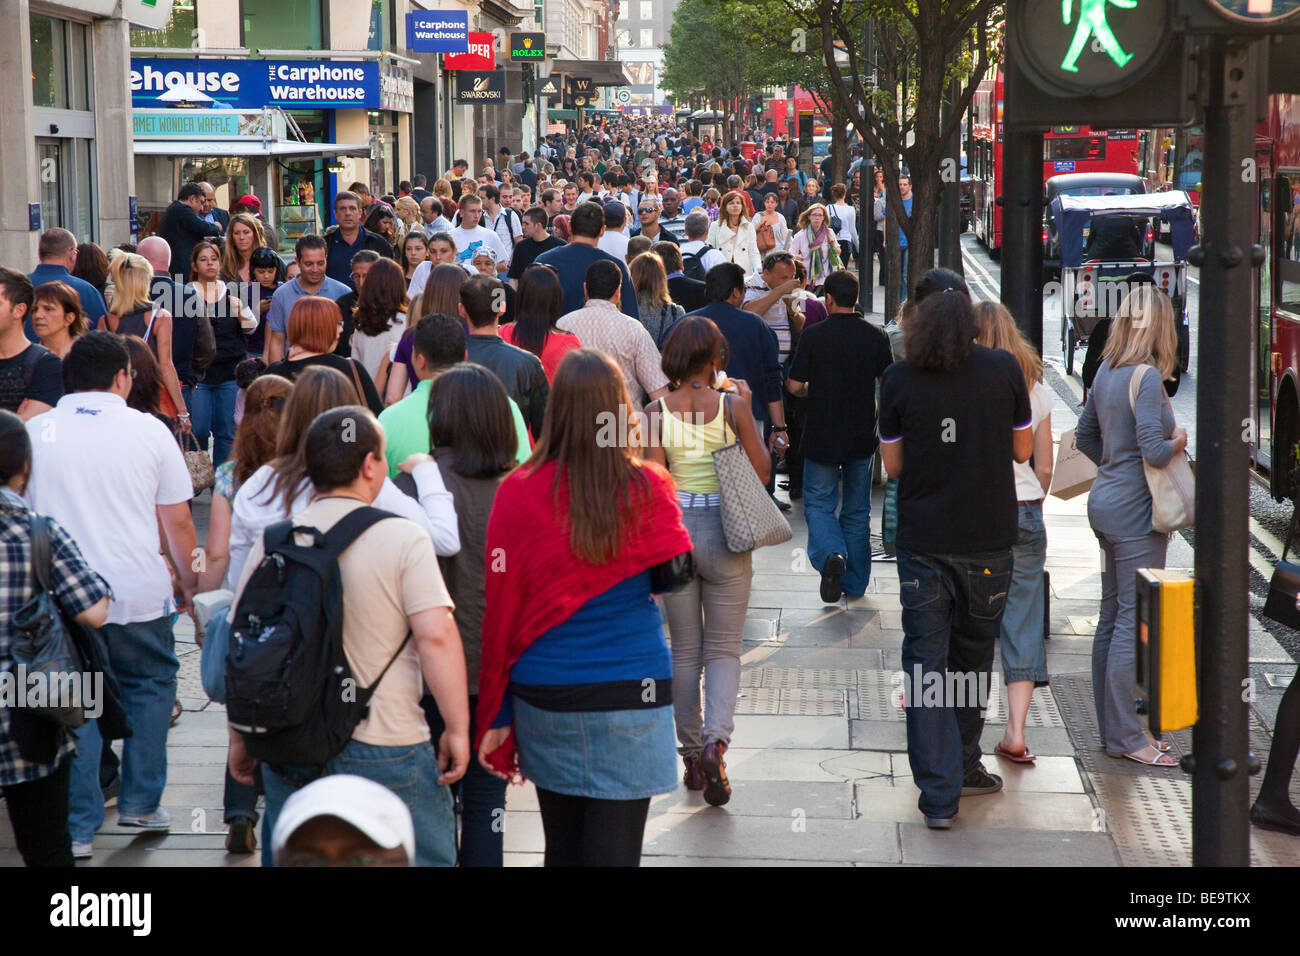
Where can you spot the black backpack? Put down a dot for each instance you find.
(289, 688)
(693, 265)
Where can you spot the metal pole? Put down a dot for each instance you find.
(1022, 217)
(1220, 760)
(950, 197)
(866, 281)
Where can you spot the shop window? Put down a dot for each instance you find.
(647, 39)
(60, 64)
(181, 31)
(283, 24)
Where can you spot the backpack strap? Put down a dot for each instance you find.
(368, 692)
(351, 526)
(40, 535)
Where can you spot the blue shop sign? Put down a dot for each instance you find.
(254, 84)
(437, 31)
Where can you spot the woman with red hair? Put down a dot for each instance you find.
(312, 332)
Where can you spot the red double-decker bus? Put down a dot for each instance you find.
(1276, 411)
(1066, 149)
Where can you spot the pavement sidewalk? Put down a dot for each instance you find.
(818, 760)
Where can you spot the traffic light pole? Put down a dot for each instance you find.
(1220, 760)
(1022, 217)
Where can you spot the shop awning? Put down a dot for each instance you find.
(561, 115)
(245, 147)
(602, 72)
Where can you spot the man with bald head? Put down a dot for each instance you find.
(672, 221)
(431, 218)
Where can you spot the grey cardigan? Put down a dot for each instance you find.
(1109, 434)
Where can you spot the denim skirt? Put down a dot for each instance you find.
(603, 754)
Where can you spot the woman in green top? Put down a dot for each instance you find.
(704, 413)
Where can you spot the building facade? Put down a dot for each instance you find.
(640, 33)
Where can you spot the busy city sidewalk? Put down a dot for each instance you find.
(818, 760)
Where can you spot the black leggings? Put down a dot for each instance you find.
(1282, 756)
(38, 811)
(584, 831)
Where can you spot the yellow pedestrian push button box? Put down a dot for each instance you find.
(1166, 648)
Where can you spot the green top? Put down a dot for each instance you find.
(406, 428)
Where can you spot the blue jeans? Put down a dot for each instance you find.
(213, 412)
(143, 658)
(411, 772)
(952, 610)
(1023, 655)
(848, 487)
(480, 797)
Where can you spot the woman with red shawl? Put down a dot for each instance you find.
(575, 688)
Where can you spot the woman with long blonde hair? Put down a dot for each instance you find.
(1024, 657)
(815, 244)
(244, 237)
(133, 313)
(1128, 422)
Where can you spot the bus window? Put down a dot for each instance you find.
(1188, 162)
(1286, 236)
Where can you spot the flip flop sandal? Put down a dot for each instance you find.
(1161, 759)
(1024, 756)
(1160, 745)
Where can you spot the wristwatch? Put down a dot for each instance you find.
(780, 428)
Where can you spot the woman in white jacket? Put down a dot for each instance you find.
(733, 234)
(848, 217)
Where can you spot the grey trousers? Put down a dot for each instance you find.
(706, 620)
(1114, 649)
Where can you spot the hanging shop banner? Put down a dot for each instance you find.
(481, 55)
(487, 87)
(528, 46)
(254, 84)
(437, 31)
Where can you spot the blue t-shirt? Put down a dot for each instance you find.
(615, 636)
(92, 303)
(907, 206)
(571, 262)
(277, 317)
(695, 202)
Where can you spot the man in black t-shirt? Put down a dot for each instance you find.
(31, 376)
(536, 241)
(953, 417)
(836, 366)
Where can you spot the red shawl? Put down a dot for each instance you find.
(535, 581)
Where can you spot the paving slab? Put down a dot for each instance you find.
(718, 833)
(973, 845)
(1009, 809)
(806, 765)
(1045, 775)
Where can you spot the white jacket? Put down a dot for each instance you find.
(740, 247)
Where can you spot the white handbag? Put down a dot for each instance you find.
(1173, 487)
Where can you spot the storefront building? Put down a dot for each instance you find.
(341, 102)
(65, 143)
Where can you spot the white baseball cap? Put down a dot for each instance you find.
(370, 807)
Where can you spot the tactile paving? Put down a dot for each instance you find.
(793, 702)
(880, 695)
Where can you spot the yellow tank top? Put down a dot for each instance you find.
(689, 448)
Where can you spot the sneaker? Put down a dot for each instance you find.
(160, 819)
(83, 851)
(693, 778)
(939, 823)
(832, 571)
(979, 781)
(717, 788)
(242, 836)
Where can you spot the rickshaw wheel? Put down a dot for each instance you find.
(1069, 351)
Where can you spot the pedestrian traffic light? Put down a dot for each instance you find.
(1166, 648)
(1104, 63)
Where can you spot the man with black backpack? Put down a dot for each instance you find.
(698, 257)
(334, 638)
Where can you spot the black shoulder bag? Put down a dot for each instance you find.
(1283, 604)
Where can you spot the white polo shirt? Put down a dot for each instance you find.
(101, 470)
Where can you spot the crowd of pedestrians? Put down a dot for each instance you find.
(522, 591)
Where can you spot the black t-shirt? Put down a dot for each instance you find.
(840, 359)
(526, 252)
(34, 373)
(290, 369)
(957, 492)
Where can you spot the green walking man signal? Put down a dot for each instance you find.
(1093, 23)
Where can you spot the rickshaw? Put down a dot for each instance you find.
(1092, 290)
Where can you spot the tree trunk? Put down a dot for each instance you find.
(839, 146)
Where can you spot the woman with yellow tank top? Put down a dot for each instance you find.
(706, 618)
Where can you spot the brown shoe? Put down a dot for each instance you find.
(693, 778)
(717, 789)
